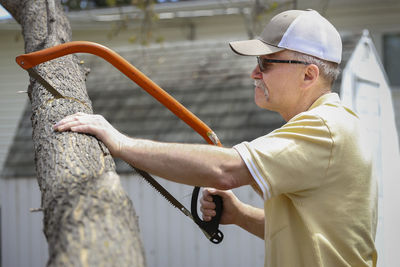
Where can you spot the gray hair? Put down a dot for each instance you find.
(328, 70)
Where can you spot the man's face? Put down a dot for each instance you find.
(276, 87)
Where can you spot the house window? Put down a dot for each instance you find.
(391, 58)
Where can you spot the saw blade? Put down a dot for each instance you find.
(44, 83)
(167, 195)
(159, 188)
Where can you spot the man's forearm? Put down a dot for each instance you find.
(252, 220)
(201, 165)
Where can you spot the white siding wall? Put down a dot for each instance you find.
(22, 240)
(170, 238)
(12, 79)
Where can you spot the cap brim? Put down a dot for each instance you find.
(253, 48)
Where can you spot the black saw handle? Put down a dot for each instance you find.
(210, 227)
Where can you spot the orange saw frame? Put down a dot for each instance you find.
(30, 60)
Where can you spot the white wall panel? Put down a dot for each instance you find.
(12, 79)
(170, 238)
(23, 243)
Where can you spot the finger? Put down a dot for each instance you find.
(208, 192)
(208, 212)
(207, 218)
(207, 203)
(70, 118)
(73, 120)
(207, 198)
(67, 125)
(80, 125)
(63, 122)
(205, 193)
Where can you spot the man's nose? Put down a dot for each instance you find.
(256, 73)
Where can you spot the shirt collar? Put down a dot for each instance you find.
(332, 98)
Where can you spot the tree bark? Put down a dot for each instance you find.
(88, 218)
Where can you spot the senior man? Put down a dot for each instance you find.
(314, 173)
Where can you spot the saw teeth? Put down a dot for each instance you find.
(162, 191)
(157, 190)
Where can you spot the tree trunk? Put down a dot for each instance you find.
(88, 218)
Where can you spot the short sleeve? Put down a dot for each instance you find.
(291, 159)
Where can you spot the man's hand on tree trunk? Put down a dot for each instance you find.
(95, 125)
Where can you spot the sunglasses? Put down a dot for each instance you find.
(263, 62)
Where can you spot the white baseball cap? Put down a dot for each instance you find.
(304, 31)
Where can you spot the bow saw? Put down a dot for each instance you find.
(29, 61)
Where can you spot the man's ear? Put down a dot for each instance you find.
(311, 74)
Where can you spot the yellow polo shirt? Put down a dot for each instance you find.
(315, 175)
